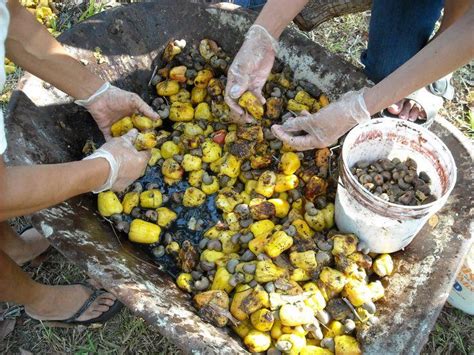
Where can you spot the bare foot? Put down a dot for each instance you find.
(407, 110)
(62, 302)
(34, 244)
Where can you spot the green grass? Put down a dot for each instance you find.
(10, 84)
(92, 9)
(345, 36)
(125, 333)
(452, 334)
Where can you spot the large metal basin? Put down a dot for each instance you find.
(45, 127)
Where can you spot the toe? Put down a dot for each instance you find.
(108, 296)
(396, 107)
(101, 308)
(94, 311)
(404, 113)
(421, 112)
(106, 301)
(414, 113)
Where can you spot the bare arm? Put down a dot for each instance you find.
(450, 50)
(33, 48)
(25, 189)
(453, 11)
(277, 14)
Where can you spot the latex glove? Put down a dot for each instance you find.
(126, 163)
(109, 104)
(324, 127)
(250, 70)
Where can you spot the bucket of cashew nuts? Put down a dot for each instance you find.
(394, 175)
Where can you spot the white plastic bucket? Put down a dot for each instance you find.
(387, 227)
(462, 294)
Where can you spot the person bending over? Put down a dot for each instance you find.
(26, 189)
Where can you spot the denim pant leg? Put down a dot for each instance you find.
(398, 30)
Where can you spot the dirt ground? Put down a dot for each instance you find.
(346, 36)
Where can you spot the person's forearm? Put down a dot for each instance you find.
(277, 14)
(34, 49)
(449, 51)
(25, 189)
(453, 10)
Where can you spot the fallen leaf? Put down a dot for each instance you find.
(6, 327)
(433, 221)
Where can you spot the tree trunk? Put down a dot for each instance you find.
(318, 11)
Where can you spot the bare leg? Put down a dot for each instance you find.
(42, 301)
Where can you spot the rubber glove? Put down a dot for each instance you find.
(250, 70)
(324, 127)
(126, 163)
(109, 104)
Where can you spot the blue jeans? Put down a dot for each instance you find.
(398, 30)
(250, 4)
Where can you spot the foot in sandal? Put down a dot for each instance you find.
(407, 110)
(27, 245)
(423, 105)
(76, 304)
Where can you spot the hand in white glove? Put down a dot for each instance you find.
(126, 163)
(109, 104)
(249, 70)
(324, 127)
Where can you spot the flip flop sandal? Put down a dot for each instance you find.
(104, 317)
(430, 99)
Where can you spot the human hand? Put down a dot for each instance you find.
(324, 127)
(109, 104)
(250, 70)
(126, 163)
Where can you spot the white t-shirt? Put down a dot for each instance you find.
(4, 20)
